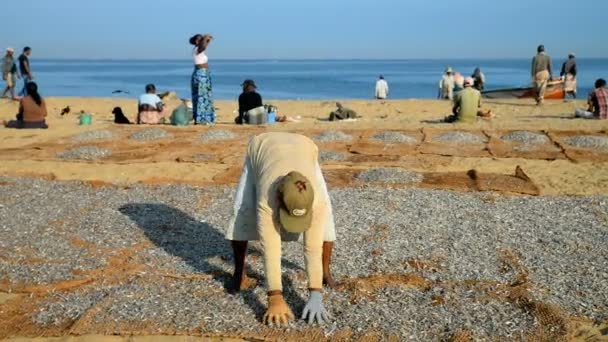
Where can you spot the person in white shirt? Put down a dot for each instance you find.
(381, 88)
(151, 109)
(447, 84)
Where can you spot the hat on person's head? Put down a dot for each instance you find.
(469, 81)
(297, 195)
(448, 70)
(571, 55)
(249, 83)
(10, 49)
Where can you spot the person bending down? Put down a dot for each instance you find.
(32, 110)
(597, 103)
(467, 104)
(151, 109)
(282, 194)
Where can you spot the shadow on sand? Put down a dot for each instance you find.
(197, 243)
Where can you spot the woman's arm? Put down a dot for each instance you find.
(204, 42)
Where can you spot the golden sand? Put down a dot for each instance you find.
(33, 152)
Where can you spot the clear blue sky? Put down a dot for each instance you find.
(157, 29)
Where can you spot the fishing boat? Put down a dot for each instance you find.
(555, 91)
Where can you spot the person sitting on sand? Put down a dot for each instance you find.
(342, 113)
(597, 102)
(248, 100)
(151, 109)
(282, 194)
(32, 110)
(467, 104)
(119, 116)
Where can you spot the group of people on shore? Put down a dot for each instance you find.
(452, 82)
(465, 92)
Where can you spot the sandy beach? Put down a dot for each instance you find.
(487, 231)
(34, 153)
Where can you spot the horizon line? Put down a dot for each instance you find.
(299, 59)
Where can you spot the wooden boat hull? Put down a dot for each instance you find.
(555, 91)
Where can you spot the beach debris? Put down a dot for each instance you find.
(333, 136)
(217, 134)
(394, 137)
(588, 141)
(85, 152)
(526, 137)
(65, 111)
(389, 176)
(460, 138)
(325, 156)
(93, 135)
(149, 134)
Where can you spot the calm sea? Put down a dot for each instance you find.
(286, 79)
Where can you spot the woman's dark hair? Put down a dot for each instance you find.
(32, 90)
(600, 83)
(194, 38)
(150, 88)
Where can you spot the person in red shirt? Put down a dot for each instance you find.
(597, 101)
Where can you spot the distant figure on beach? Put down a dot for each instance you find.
(446, 85)
(202, 102)
(282, 195)
(381, 88)
(541, 73)
(342, 113)
(458, 82)
(25, 69)
(597, 103)
(119, 116)
(248, 100)
(568, 75)
(467, 104)
(9, 73)
(479, 78)
(151, 109)
(32, 110)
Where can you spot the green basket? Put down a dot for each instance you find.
(86, 119)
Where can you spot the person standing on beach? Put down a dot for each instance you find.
(381, 88)
(479, 78)
(447, 84)
(25, 70)
(9, 73)
(541, 73)
(202, 102)
(568, 75)
(281, 195)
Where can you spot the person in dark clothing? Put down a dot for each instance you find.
(479, 78)
(342, 113)
(568, 74)
(25, 70)
(248, 100)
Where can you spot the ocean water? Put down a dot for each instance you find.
(287, 79)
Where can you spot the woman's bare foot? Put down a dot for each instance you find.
(246, 283)
(329, 282)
